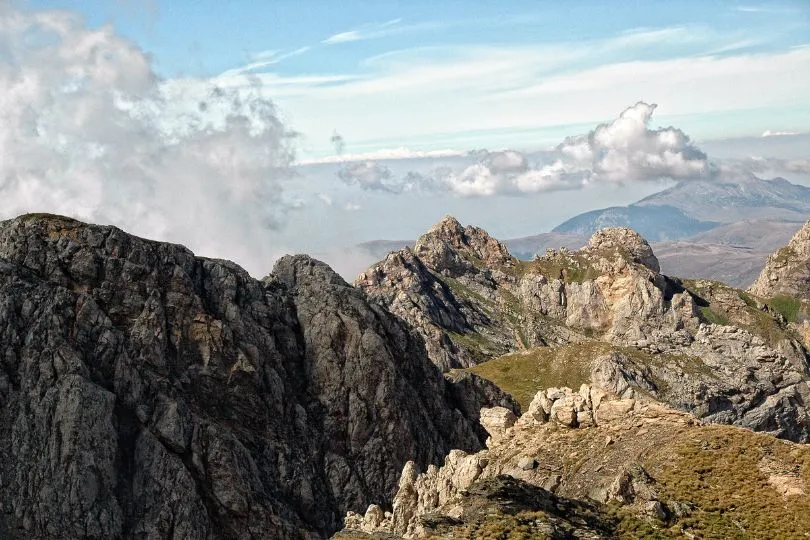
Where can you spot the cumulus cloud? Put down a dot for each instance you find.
(87, 129)
(623, 150)
(627, 149)
(369, 175)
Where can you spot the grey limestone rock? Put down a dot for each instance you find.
(149, 393)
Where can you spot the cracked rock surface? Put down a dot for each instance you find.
(149, 393)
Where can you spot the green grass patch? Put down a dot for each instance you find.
(713, 317)
(523, 374)
(570, 267)
(787, 306)
(748, 299)
(465, 292)
(741, 310)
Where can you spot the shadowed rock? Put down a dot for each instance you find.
(149, 393)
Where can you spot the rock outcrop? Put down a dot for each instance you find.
(707, 348)
(149, 393)
(447, 287)
(586, 449)
(787, 271)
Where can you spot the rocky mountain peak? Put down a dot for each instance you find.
(153, 393)
(628, 241)
(290, 269)
(447, 241)
(787, 271)
(447, 227)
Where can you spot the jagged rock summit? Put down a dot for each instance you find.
(447, 242)
(699, 346)
(149, 393)
(628, 240)
(787, 270)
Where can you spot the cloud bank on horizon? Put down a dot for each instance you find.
(83, 132)
(624, 150)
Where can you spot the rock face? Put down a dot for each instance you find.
(149, 393)
(471, 300)
(787, 271)
(439, 489)
(444, 286)
(632, 453)
(708, 348)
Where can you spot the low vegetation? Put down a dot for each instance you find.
(787, 306)
(570, 267)
(523, 374)
(714, 481)
(735, 482)
(712, 317)
(719, 303)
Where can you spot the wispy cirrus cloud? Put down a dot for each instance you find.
(763, 9)
(387, 154)
(445, 93)
(264, 59)
(368, 31)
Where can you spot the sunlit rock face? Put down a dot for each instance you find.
(472, 302)
(787, 271)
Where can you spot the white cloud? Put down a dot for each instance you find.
(368, 175)
(369, 31)
(624, 150)
(343, 37)
(87, 130)
(326, 199)
(769, 133)
(383, 155)
(628, 150)
(263, 59)
(443, 95)
(771, 165)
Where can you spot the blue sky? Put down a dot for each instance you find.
(424, 82)
(447, 74)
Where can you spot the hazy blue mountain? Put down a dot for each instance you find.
(745, 198)
(526, 247)
(655, 223)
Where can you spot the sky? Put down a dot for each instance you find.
(309, 125)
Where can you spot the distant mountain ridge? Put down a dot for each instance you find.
(656, 223)
(745, 198)
(720, 230)
(692, 207)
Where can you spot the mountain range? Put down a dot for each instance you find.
(721, 230)
(452, 390)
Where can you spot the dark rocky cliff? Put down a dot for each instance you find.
(149, 393)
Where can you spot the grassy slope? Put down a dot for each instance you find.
(719, 475)
(525, 373)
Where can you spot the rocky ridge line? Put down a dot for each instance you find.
(715, 351)
(588, 446)
(149, 393)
